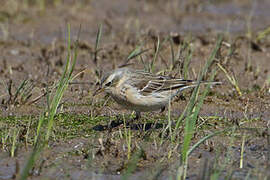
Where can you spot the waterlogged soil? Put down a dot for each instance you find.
(89, 139)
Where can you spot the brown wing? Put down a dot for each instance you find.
(148, 83)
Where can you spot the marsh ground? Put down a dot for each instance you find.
(33, 48)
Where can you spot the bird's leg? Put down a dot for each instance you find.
(153, 126)
(138, 115)
(162, 109)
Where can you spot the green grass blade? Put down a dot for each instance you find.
(132, 165)
(187, 62)
(51, 109)
(136, 52)
(193, 109)
(20, 88)
(61, 87)
(40, 123)
(156, 55)
(172, 54)
(99, 33)
(206, 138)
(31, 161)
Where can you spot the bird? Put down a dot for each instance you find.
(143, 91)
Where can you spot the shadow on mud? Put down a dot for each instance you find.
(131, 125)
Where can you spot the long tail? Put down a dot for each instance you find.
(208, 82)
(195, 83)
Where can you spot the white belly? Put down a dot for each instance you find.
(133, 100)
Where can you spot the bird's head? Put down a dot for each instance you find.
(110, 81)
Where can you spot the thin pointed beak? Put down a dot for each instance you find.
(98, 90)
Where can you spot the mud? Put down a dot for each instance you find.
(33, 47)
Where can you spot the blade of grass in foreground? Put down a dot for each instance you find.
(156, 55)
(193, 110)
(40, 144)
(132, 164)
(99, 33)
(136, 52)
(63, 84)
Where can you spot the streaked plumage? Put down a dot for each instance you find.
(141, 91)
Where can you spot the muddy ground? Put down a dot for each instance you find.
(33, 47)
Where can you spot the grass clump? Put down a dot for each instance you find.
(191, 112)
(42, 137)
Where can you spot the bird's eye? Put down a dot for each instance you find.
(108, 83)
